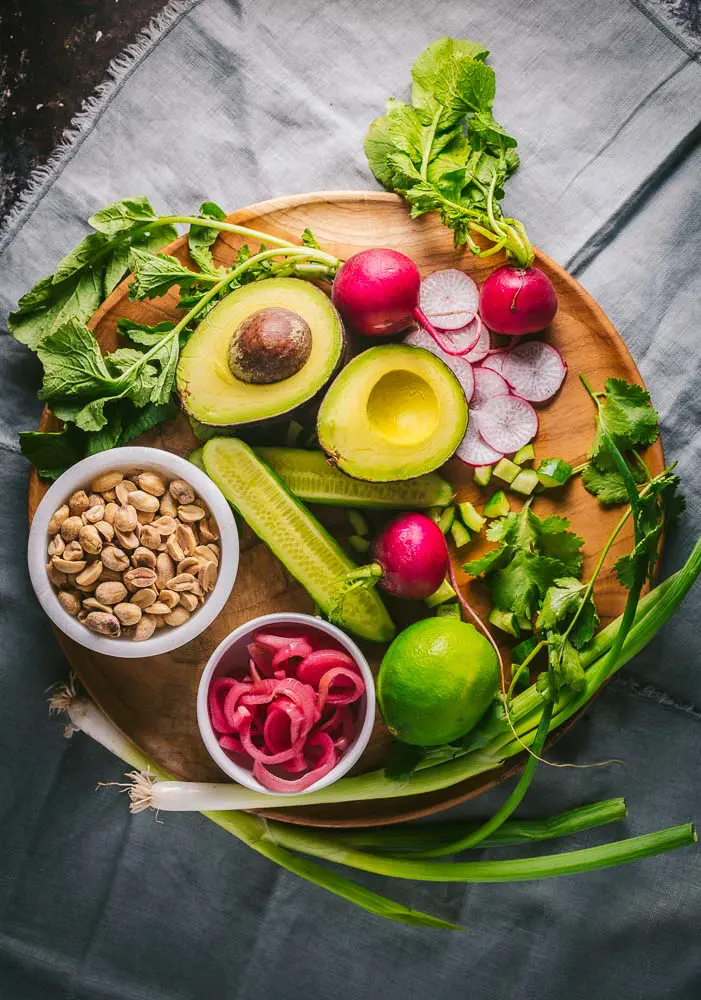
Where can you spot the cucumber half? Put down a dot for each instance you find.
(310, 477)
(294, 535)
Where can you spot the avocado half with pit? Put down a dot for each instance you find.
(394, 412)
(261, 354)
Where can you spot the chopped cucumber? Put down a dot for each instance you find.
(554, 472)
(524, 649)
(482, 475)
(460, 534)
(497, 506)
(308, 551)
(446, 519)
(470, 518)
(525, 482)
(358, 543)
(196, 458)
(525, 454)
(294, 429)
(504, 620)
(311, 478)
(435, 513)
(524, 623)
(358, 523)
(444, 593)
(506, 470)
(450, 609)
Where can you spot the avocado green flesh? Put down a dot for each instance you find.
(306, 549)
(310, 477)
(211, 392)
(393, 413)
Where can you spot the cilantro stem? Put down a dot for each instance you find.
(474, 837)
(524, 665)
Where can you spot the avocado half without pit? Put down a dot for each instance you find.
(394, 412)
(261, 354)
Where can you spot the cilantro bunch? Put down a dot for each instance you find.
(445, 152)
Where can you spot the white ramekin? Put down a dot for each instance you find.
(80, 476)
(217, 666)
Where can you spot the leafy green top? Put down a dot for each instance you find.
(445, 152)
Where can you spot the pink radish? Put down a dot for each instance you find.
(517, 300)
(535, 370)
(461, 368)
(488, 383)
(473, 449)
(507, 423)
(410, 560)
(377, 293)
(449, 299)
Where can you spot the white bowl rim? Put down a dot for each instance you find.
(130, 456)
(281, 618)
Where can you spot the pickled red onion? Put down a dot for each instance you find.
(313, 667)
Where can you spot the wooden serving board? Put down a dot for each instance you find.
(153, 700)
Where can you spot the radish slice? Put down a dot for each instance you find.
(535, 370)
(495, 362)
(449, 299)
(488, 384)
(508, 423)
(473, 449)
(481, 348)
(458, 343)
(459, 366)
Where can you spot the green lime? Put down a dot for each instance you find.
(436, 681)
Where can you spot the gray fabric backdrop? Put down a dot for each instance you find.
(238, 102)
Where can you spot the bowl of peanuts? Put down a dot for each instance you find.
(133, 552)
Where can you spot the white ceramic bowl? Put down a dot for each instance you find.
(233, 648)
(80, 476)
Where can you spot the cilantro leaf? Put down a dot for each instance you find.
(478, 567)
(555, 540)
(566, 602)
(607, 484)
(518, 586)
(201, 238)
(628, 416)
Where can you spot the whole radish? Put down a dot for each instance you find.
(410, 560)
(376, 291)
(517, 300)
(413, 556)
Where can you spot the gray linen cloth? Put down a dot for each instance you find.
(238, 102)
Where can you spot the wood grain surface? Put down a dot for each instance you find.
(153, 700)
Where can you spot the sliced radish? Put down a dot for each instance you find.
(507, 423)
(487, 385)
(449, 299)
(458, 343)
(495, 361)
(459, 366)
(481, 348)
(535, 370)
(473, 449)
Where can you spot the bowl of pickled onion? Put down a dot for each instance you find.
(286, 704)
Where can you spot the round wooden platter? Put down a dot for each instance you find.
(153, 700)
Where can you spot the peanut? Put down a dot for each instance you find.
(165, 569)
(144, 629)
(178, 616)
(181, 492)
(104, 624)
(115, 558)
(89, 538)
(110, 510)
(56, 546)
(150, 537)
(191, 513)
(168, 506)
(188, 600)
(68, 566)
(57, 519)
(168, 597)
(70, 529)
(123, 491)
(70, 602)
(73, 551)
(106, 481)
(153, 483)
(139, 576)
(78, 502)
(144, 501)
(144, 557)
(125, 519)
(95, 513)
(165, 525)
(111, 593)
(128, 614)
(183, 581)
(145, 597)
(90, 575)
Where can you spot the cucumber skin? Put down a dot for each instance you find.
(289, 464)
(383, 629)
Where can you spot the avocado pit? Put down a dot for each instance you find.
(270, 345)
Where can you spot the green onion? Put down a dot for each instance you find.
(87, 717)
(425, 836)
